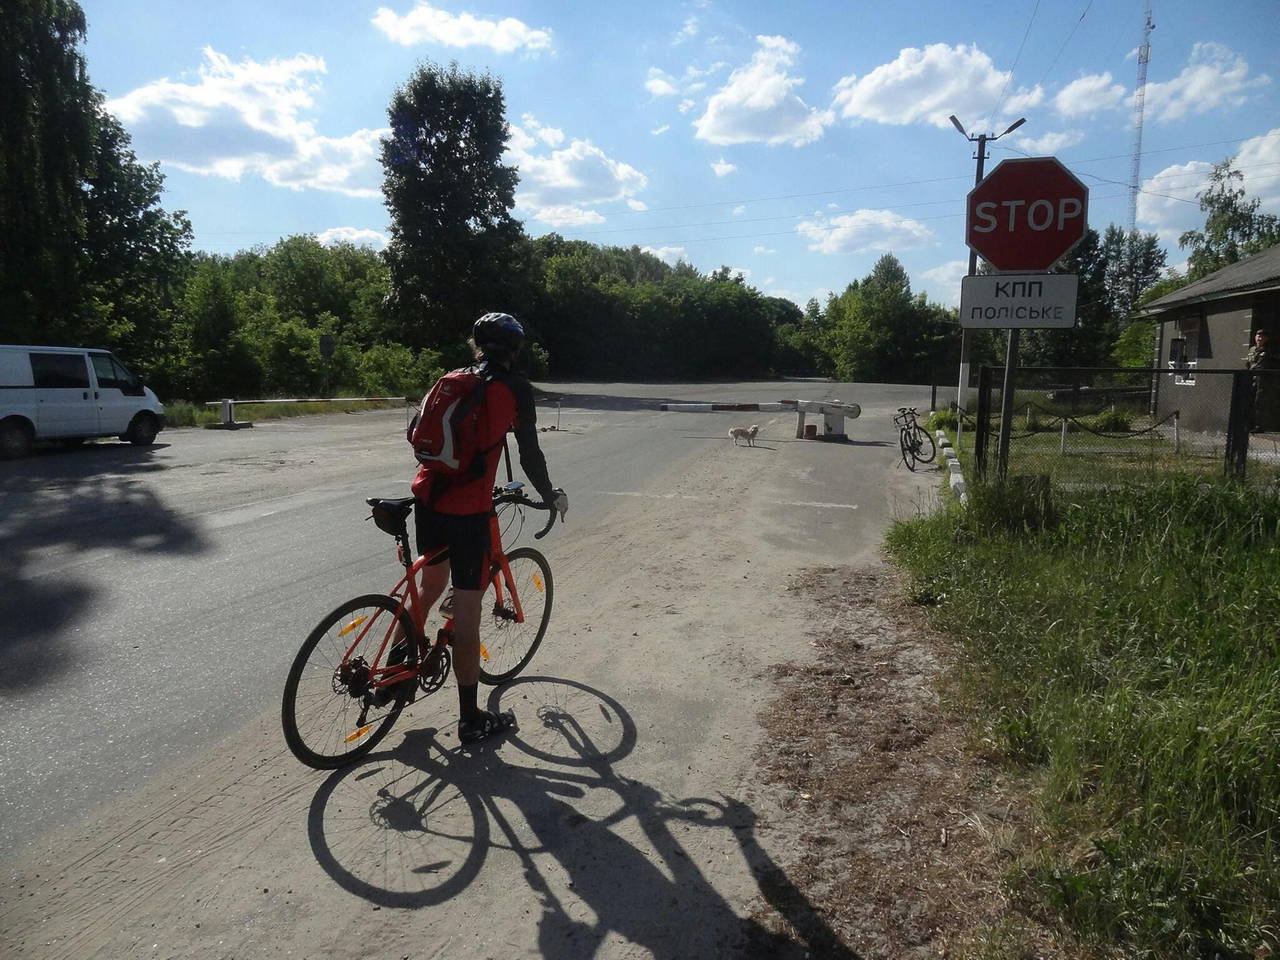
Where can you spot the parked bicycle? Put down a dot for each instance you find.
(916, 443)
(370, 657)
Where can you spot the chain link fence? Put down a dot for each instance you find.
(1099, 426)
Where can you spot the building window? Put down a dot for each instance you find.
(1184, 350)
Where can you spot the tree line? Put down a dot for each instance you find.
(88, 255)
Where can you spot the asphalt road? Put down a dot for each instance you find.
(151, 599)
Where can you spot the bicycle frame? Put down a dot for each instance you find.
(410, 601)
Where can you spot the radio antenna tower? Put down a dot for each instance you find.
(1139, 102)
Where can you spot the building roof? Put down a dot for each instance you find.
(1258, 272)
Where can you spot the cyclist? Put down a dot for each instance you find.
(454, 512)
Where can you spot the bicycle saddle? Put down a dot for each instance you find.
(390, 514)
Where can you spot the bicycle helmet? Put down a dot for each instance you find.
(498, 332)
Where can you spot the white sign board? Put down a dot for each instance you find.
(1022, 301)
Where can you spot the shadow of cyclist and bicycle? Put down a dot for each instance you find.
(413, 827)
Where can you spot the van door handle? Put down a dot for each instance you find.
(96, 395)
(85, 395)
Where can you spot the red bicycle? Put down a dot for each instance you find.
(370, 657)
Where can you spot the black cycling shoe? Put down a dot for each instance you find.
(381, 696)
(483, 725)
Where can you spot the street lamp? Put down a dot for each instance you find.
(981, 139)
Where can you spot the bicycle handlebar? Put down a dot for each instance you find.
(521, 500)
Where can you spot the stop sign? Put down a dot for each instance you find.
(1027, 214)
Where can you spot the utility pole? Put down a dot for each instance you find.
(962, 390)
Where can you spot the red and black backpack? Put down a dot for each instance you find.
(445, 433)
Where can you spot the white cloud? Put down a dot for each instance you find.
(1213, 77)
(942, 283)
(1167, 201)
(567, 215)
(1088, 94)
(758, 105)
(1051, 143)
(739, 210)
(562, 187)
(927, 86)
(722, 168)
(763, 250)
(660, 84)
(671, 255)
(1259, 162)
(1024, 100)
(637, 205)
(250, 118)
(551, 136)
(659, 131)
(687, 32)
(686, 105)
(864, 230)
(357, 235)
(426, 24)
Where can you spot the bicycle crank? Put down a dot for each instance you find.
(435, 669)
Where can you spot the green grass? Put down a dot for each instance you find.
(1126, 645)
(180, 413)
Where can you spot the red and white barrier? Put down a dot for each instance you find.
(833, 413)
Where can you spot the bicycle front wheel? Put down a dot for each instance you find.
(908, 448)
(508, 646)
(926, 449)
(327, 691)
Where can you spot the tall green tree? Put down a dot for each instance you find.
(87, 255)
(47, 114)
(455, 250)
(1132, 263)
(1233, 227)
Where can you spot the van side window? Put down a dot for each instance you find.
(130, 385)
(106, 373)
(60, 370)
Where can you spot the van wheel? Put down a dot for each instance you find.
(143, 430)
(15, 439)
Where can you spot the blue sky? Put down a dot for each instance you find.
(794, 141)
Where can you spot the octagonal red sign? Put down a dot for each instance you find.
(1027, 214)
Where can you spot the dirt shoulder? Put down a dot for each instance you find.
(902, 832)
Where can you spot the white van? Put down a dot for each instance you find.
(70, 394)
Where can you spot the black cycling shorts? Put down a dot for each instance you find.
(464, 538)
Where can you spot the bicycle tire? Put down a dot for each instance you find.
(908, 451)
(506, 643)
(925, 438)
(325, 749)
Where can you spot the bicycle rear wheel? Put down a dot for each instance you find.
(323, 701)
(507, 646)
(908, 448)
(925, 449)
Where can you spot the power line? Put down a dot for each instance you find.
(1018, 56)
(1054, 62)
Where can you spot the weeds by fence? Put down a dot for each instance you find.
(1124, 643)
(1109, 426)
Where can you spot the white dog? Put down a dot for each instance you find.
(745, 433)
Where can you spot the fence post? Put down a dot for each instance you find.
(1177, 437)
(982, 430)
(1062, 448)
(1238, 420)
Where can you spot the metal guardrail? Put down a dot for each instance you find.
(228, 405)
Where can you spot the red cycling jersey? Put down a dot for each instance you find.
(508, 403)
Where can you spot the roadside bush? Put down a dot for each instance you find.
(1111, 421)
(182, 413)
(942, 420)
(1127, 646)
